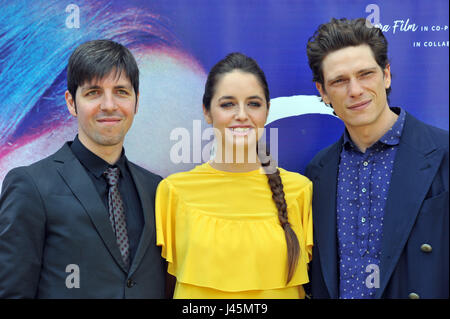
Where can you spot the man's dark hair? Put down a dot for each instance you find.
(341, 33)
(95, 59)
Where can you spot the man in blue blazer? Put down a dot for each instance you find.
(380, 202)
(67, 228)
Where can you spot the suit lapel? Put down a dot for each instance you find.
(148, 231)
(325, 186)
(84, 190)
(416, 164)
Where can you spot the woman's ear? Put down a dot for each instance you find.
(136, 106)
(207, 115)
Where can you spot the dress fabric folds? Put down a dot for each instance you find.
(220, 233)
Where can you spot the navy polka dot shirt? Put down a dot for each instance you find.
(363, 185)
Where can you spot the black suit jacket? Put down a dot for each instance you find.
(416, 213)
(55, 234)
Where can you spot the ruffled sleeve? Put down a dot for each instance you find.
(165, 209)
(213, 240)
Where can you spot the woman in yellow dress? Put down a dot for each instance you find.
(236, 226)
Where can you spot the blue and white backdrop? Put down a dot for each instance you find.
(176, 42)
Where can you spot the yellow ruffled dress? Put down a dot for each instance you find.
(220, 233)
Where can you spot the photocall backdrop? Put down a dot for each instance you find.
(176, 42)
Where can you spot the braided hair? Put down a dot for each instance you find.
(278, 196)
(239, 61)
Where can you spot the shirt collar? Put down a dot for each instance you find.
(92, 162)
(391, 137)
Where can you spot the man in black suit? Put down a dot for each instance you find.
(67, 229)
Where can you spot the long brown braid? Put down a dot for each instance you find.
(239, 61)
(276, 186)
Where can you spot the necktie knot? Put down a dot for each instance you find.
(112, 175)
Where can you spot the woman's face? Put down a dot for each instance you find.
(238, 112)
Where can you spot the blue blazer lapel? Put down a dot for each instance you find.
(148, 231)
(76, 178)
(416, 163)
(324, 216)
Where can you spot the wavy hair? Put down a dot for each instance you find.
(341, 33)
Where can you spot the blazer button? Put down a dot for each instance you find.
(426, 248)
(130, 283)
(413, 295)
